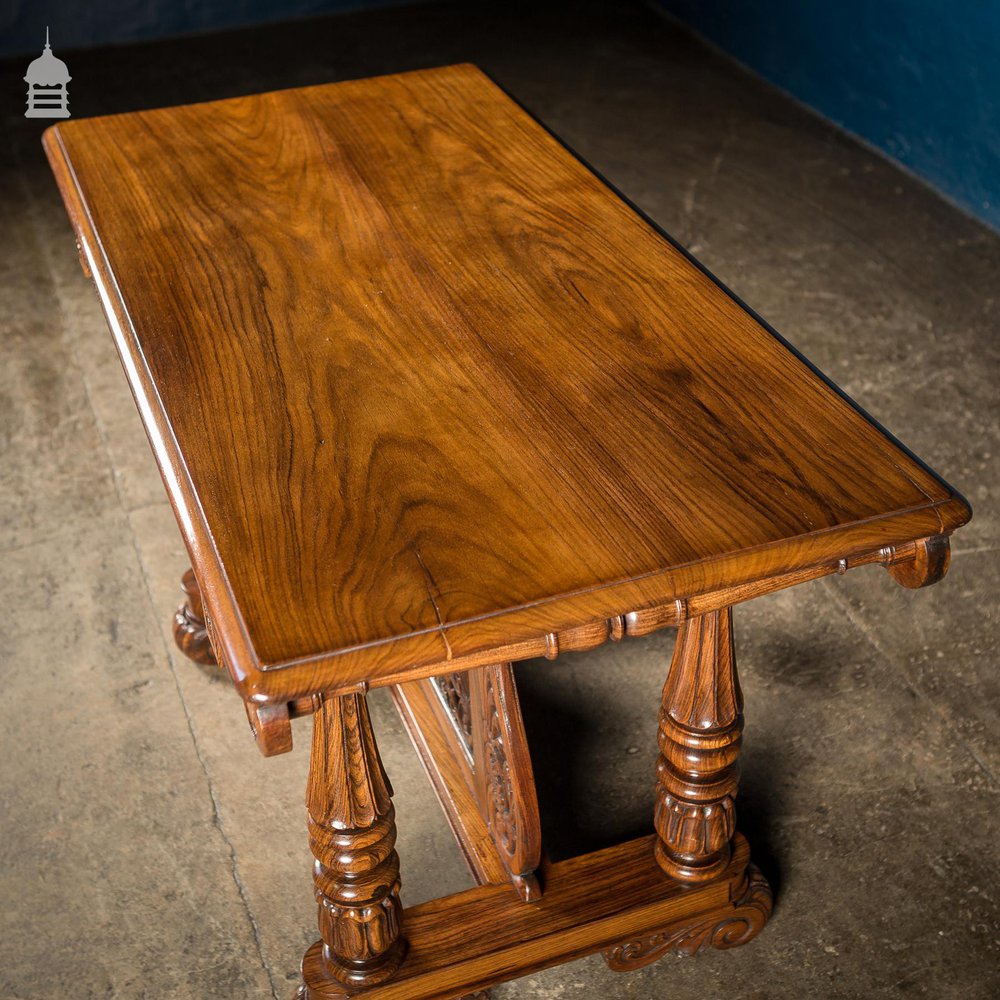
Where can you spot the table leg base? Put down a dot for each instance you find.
(617, 901)
(741, 924)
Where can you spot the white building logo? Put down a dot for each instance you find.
(47, 78)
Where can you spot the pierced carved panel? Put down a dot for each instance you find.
(506, 786)
(482, 707)
(499, 785)
(454, 691)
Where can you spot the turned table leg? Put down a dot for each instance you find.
(701, 728)
(352, 834)
(697, 775)
(190, 631)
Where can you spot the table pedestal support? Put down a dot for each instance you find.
(352, 834)
(687, 888)
(701, 728)
(617, 899)
(467, 729)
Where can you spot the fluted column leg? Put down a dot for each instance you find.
(701, 726)
(352, 834)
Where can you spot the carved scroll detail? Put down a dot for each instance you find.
(504, 777)
(492, 753)
(502, 819)
(725, 928)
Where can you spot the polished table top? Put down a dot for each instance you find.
(420, 384)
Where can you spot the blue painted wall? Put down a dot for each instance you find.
(77, 24)
(920, 79)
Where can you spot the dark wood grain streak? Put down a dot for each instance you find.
(420, 386)
(428, 397)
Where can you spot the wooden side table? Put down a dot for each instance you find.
(428, 398)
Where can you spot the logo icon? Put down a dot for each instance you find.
(47, 78)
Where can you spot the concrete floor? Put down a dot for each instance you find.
(149, 851)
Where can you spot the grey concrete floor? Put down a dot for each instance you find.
(148, 851)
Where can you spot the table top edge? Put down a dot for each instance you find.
(261, 680)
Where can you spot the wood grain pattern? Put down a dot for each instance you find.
(921, 562)
(271, 726)
(421, 386)
(701, 727)
(352, 834)
(641, 622)
(485, 935)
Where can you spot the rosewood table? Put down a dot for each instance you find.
(429, 398)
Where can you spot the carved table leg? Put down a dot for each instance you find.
(352, 834)
(190, 632)
(701, 727)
